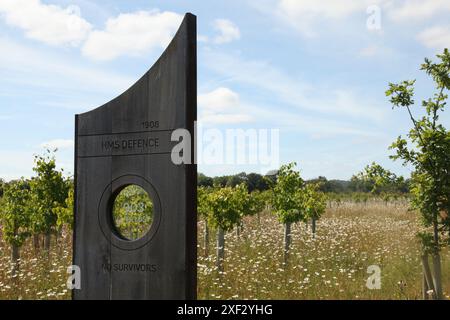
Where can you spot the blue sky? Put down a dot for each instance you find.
(315, 70)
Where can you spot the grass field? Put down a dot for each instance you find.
(349, 239)
(334, 265)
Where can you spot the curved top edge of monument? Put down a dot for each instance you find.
(184, 22)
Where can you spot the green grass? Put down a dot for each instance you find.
(334, 265)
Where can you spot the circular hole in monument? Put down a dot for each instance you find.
(132, 212)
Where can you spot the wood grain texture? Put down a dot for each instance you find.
(115, 146)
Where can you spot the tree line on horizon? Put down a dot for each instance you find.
(372, 179)
(362, 182)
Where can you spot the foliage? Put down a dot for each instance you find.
(226, 207)
(315, 202)
(15, 213)
(237, 179)
(288, 195)
(49, 191)
(256, 182)
(376, 179)
(2, 187)
(202, 202)
(427, 147)
(204, 181)
(256, 202)
(65, 213)
(253, 181)
(333, 186)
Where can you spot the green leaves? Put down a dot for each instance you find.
(37, 205)
(295, 201)
(439, 71)
(255, 202)
(427, 150)
(375, 179)
(49, 191)
(429, 246)
(64, 212)
(401, 94)
(202, 202)
(15, 213)
(288, 195)
(226, 207)
(314, 202)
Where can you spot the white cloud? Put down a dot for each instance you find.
(15, 164)
(227, 30)
(225, 118)
(416, 9)
(292, 91)
(316, 127)
(50, 24)
(311, 17)
(23, 65)
(221, 99)
(221, 106)
(58, 144)
(132, 34)
(376, 50)
(369, 51)
(306, 15)
(202, 38)
(435, 37)
(324, 8)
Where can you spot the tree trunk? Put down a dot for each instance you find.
(427, 275)
(437, 276)
(15, 255)
(47, 241)
(287, 241)
(220, 249)
(36, 243)
(206, 238)
(313, 227)
(437, 261)
(424, 287)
